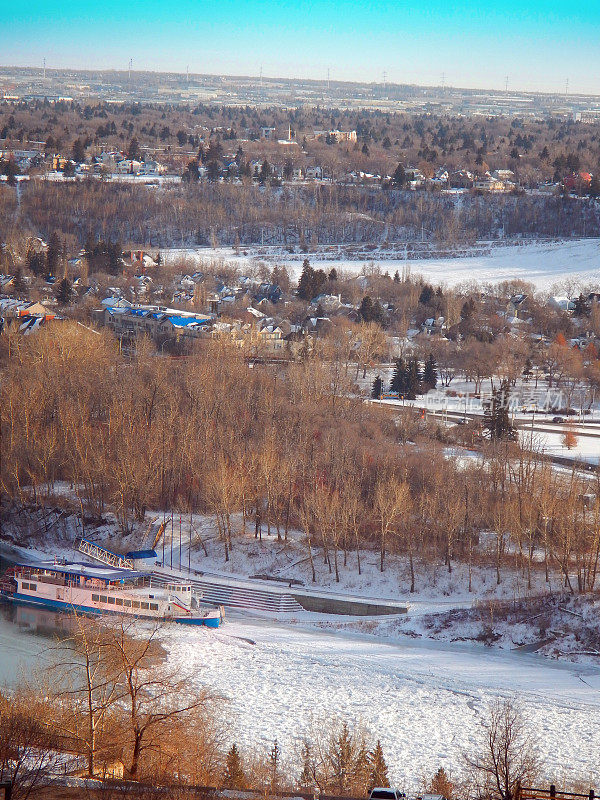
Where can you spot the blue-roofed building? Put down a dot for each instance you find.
(158, 322)
(142, 559)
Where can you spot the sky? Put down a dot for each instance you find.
(537, 44)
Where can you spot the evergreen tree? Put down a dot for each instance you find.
(274, 763)
(213, 171)
(581, 307)
(53, 254)
(134, 150)
(366, 309)
(18, 285)
(306, 281)
(426, 295)
(307, 778)
(496, 417)
(396, 277)
(64, 292)
(413, 379)
(234, 777)
(441, 784)
(399, 177)
(265, 172)
(311, 281)
(378, 771)
(333, 276)
(192, 172)
(377, 388)
(36, 262)
(430, 376)
(399, 378)
(78, 151)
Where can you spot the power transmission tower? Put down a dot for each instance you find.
(506, 84)
(44, 69)
(130, 66)
(567, 87)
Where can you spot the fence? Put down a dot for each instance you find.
(530, 793)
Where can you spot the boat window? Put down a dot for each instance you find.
(153, 606)
(127, 603)
(95, 597)
(119, 601)
(32, 587)
(103, 598)
(111, 600)
(146, 606)
(136, 604)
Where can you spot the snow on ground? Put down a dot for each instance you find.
(425, 701)
(587, 448)
(542, 264)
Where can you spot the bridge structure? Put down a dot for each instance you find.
(104, 556)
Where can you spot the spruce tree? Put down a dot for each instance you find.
(496, 417)
(305, 283)
(377, 388)
(274, 762)
(398, 382)
(366, 309)
(18, 285)
(378, 771)
(430, 372)
(413, 379)
(441, 784)
(234, 777)
(53, 254)
(64, 292)
(307, 779)
(399, 177)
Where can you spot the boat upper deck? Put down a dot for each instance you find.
(80, 574)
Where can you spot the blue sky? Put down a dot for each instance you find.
(538, 44)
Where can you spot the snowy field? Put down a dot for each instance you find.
(425, 701)
(543, 264)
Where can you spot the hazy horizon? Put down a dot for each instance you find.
(538, 46)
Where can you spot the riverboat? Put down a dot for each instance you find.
(105, 590)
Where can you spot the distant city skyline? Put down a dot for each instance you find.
(532, 46)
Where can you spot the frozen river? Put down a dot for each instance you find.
(425, 701)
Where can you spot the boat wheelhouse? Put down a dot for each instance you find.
(107, 590)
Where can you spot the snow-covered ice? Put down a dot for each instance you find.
(426, 701)
(541, 263)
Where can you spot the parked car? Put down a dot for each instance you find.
(558, 419)
(386, 793)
